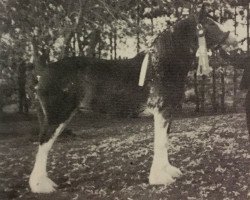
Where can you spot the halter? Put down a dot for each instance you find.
(203, 67)
(202, 53)
(218, 46)
(223, 39)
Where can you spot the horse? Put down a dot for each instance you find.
(64, 84)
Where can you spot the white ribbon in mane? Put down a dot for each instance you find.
(202, 54)
(144, 69)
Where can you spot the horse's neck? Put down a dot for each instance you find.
(182, 35)
(179, 56)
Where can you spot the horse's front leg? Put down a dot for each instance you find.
(39, 181)
(162, 172)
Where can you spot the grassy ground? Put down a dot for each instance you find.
(111, 159)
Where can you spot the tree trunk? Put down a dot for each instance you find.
(222, 78)
(80, 46)
(74, 46)
(94, 38)
(203, 83)
(214, 102)
(72, 30)
(67, 45)
(115, 44)
(235, 89)
(235, 71)
(99, 50)
(138, 30)
(177, 14)
(248, 25)
(111, 45)
(23, 103)
(152, 26)
(197, 101)
(138, 42)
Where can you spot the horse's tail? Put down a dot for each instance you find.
(144, 68)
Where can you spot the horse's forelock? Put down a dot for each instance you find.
(187, 24)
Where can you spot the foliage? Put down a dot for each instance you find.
(43, 31)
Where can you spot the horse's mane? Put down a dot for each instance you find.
(177, 28)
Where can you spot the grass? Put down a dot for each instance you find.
(110, 159)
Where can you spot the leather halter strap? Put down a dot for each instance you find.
(218, 46)
(199, 26)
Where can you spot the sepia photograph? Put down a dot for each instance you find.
(125, 99)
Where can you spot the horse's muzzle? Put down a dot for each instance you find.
(231, 43)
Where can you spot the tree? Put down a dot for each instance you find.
(51, 30)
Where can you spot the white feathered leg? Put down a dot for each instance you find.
(162, 172)
(39, 181)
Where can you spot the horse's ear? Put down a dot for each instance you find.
(203, 12)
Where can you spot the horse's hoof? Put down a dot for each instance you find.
(42, 185)
(173, 171)
(163, 176)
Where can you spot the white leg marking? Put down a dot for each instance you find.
(162, 172)
(39, 181)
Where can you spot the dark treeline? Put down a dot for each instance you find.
(36, 33)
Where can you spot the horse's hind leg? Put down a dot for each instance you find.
(39, 181)
(162, 172)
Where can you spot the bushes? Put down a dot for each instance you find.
(7, 87)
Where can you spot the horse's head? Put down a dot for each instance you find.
(215, 33)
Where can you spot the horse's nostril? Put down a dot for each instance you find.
(236, 44)
(232, 40)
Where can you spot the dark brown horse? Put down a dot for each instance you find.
(59, 90)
